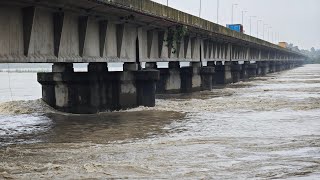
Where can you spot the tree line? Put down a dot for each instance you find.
(313, 54)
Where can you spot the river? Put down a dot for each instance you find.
(265, 128)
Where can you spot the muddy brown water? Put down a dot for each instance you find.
(265, 128)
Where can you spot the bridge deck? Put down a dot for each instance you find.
(47, 32)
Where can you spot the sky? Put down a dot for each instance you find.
(292, 21)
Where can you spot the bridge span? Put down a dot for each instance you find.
(98, 32)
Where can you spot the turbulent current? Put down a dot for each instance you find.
(265, 128)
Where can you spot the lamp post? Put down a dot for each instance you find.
(232, 12)
(251, 24)
(243, 12)
(258, 27)
(200, 9)
(269, 33)
(167, 2)
(264, 25)
(217, 11)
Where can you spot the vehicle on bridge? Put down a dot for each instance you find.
(236, 27)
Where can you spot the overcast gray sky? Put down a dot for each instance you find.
(296, 21)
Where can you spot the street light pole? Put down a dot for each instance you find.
(251, 24)
(167, 2)
(258, 27)
(232, 12)
(269, 33)
(200, 9)
(264, 29)
(217, 11)
(243, 12)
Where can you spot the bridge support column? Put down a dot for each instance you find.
(170, 80)
(252, 70)
(258, 69)
(291, 64)
(244, 70)
(272, 67)
(151, 65)
(146, 81)
(62, 67)
(207, 77)
(278, 66)
(191, 78)
(212, 65)
(130, 66)
(264, 65)
(235, 71)
(97, 90)
(223, 73)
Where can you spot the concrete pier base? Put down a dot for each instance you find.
(170, 79)
(185, 79)
(278, 67)
(252, 70)
(191, 78)
(207, 78)
(244, 74)
(223, 73)
(235, 72)
(272, 67)
(146, 87)
(264, 65)
(212, 65)
(259, 68)
(97, 90)
(151, 65)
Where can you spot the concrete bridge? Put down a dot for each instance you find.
(134, 32)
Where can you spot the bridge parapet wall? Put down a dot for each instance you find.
(119, 31)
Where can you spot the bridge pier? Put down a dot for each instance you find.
(252, 70)
(235, 71)
(244, 71)
(264, 65)
(278, 66)
(170, 79)
(191, 78)
(97, 90)
(259, 68)
(291, 65)
(151, 65)
(207, 78)
(223, 73)
(272, 67)
(212, 65)
(185, 79)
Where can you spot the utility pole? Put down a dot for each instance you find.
(200, 9)
(269, 33)
(264, 29)
(258, 27)
(218, 11)
(243, 12)
(232, 12)
(251, 24)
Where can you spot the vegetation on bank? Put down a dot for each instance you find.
(315, 60)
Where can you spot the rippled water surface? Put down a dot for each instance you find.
(265, 128)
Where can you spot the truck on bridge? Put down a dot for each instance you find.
(236, 27)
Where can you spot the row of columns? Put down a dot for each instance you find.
(100, 90)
